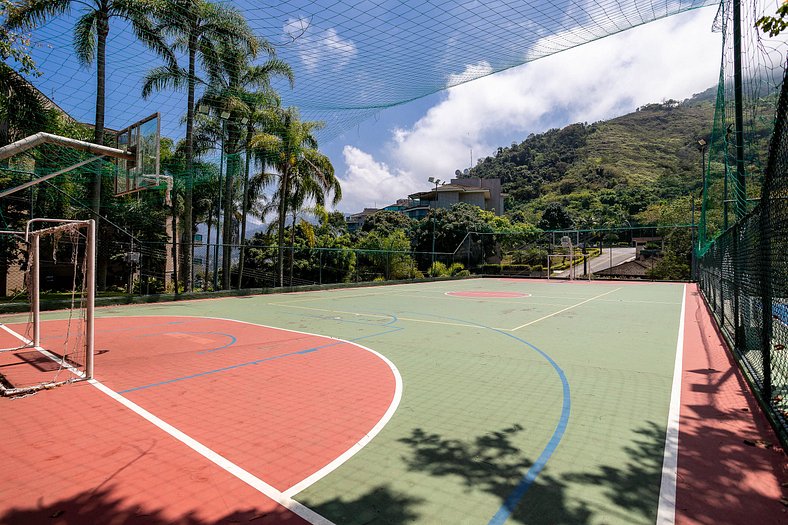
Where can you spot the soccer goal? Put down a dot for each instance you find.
(56, 258)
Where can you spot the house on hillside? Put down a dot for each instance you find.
(484, 193)
(356, 221)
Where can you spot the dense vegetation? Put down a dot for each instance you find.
(605, 174)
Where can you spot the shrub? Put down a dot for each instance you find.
(463, 273)
(438, 269)
(455, 268)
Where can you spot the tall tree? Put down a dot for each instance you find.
(90, 43)
(236, 90)
(290, 146)
(196, 27)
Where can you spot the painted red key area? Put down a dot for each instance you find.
(279, 404)
(72, 455)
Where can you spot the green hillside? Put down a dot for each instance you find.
(609, 172)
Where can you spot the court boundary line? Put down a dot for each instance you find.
(666, 507)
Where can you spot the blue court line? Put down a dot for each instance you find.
(231, 367)
(511, 502)
(257, 361)
(514, 498)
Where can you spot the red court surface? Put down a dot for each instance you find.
(721, 478)
(279, 404)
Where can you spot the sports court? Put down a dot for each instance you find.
(464, 401)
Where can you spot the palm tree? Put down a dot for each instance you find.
(242, 93)
(311, 182)
(90, 42)
(197, 27)
(291, 148)
(263, 110)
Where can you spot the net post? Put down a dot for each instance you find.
(90, 276)
(35, 292)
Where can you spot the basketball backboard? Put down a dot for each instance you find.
(142, 139)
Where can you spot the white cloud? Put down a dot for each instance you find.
(472, 72)
(367, 183)
(319, 49)
(670, 58)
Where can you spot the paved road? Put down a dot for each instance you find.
(602, 261)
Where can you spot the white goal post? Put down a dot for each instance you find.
(68, 266)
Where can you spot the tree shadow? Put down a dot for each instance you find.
(380, 505)
(105, 505)
(493, 464)
(633, 486)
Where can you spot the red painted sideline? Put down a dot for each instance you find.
(721, 479)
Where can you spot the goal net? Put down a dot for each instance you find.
(58, 268)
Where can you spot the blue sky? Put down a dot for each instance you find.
(394, 151)
(392, 155)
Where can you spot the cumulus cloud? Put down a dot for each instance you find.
(671, 58)
(319, 49)
(368, 182)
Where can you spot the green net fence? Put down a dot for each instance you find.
(732, 188)
(744, 276)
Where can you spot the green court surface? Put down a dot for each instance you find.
(575, 376)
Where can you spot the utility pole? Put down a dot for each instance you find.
(741, 188)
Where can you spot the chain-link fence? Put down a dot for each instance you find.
(744, 276)
(132, 267)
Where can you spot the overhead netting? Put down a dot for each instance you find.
(350, 59)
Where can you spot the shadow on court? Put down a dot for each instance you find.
(102, 506)
(379, 505)
(489, 463)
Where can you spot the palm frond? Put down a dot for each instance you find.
(31, 13)
(85, 35)
(164, 77)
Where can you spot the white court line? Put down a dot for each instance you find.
(529, 323)
(666, 511)
(222, 462)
